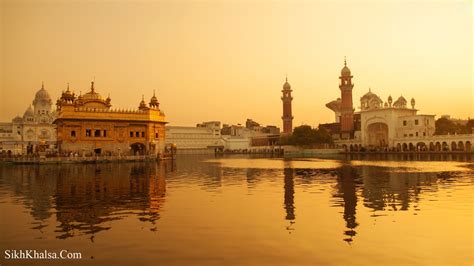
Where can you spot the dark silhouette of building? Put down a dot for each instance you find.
(347, 110)
(346, 185)
(287, 114)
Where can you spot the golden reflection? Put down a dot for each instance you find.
(289, 197)
(347, 191)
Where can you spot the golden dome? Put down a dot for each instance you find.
(286, 85)
(345, 71)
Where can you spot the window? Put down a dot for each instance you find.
(88, 132)
(73, 133)
(156, 135)
(411, 135)
(97, 133)
(416, 121)
(105, 133)
(143, 134)
(404, 122)
(131, 134)
(137, 134)
(424, 134)
(416, 134)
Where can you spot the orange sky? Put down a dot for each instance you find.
(227, 60)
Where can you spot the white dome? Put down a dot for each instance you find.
(29, 112)
(42, 96)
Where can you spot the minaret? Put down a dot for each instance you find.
(287, 116)
(347, 111)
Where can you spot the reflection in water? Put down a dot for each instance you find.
(289, 196)
(87, 197)
(346, 189)
(205, 200)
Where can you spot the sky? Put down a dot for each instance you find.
(227, 60)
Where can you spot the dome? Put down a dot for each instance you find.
(369, 95)
(17, 119)
(42, 96)
(345, 71)
(286, 85)
(92, 95)
(401, 102)
(401, 99)
(29, 112)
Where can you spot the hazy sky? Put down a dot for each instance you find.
(227, 60)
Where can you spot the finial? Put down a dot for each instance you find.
(92, 86)
(42, 85)
(286, 78)
(154, 93)
(345, 63)
(68, 86)
(370, 90)
(143, 97)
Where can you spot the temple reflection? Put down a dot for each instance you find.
(86, 202)
(84, 198)
(346, 190)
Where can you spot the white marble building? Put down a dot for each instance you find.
(203, 138)
(32, 131)
(383, 123)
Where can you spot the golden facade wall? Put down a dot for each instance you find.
(89, 131)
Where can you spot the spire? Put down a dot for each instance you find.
(92, 86)
(154, 93)
(42, 85)
(68, 86)
(345, 62)
(286, 78)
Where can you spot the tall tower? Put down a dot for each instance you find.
(287, 116)
(347, 111)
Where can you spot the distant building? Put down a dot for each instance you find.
(287, 112)
(86, 124)
(203, 138)
(253, 134)
(33, 131)
(378, 124)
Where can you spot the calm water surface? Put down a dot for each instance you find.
(242, 211)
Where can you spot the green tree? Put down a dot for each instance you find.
(445, 126)
(306, 136)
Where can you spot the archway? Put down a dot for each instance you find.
(411, 147)
(137, 149)
(399, 147)
(444, 146)
(421, 146)
(454, 146)
(461, 146)
(468, 146)
(344, 146)
(438, 146)
(404, 147)
(377, 134)
(432, 146)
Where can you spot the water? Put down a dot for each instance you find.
(242, 211)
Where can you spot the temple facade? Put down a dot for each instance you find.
(87, 125)
(379, 125)
(32, 132)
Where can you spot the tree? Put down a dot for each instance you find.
(306, 136)
(446, 126)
